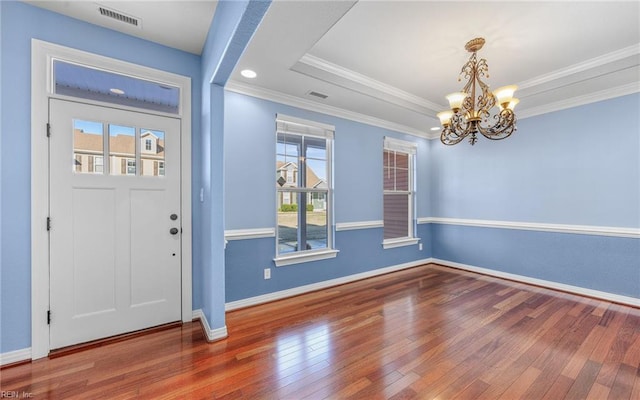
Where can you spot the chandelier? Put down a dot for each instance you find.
(470, 114)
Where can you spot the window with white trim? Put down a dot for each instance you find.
(303, 190)
(399, 192)
(98, 164)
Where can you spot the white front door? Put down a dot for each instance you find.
(115, 234)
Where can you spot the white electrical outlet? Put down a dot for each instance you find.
(420, 246)
(267, 273)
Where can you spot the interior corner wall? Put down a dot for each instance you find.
(575, 167)
(19, 24)
(249, 148)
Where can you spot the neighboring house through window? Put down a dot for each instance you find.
(303, 190)
(399, 192)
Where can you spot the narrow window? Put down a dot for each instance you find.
(399, 192)
(303, 186)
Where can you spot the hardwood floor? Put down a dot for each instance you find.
(427, 332)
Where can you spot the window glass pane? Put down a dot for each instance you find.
(122, 150)
(316, 213)
(389, 158)
(396, 216)
(402, 160)
(316, 161)
(287, 160)
(402, 179)
(396, 171)
(88, 147)
(316, 174)
(389, 178)
(94, 84)
(151, 152)
(287, 222)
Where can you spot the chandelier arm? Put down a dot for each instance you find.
(503, 128)
(448, 137)
(457, 130)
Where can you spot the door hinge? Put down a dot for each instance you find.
(48, 129)
(48, 317)
(48, 224)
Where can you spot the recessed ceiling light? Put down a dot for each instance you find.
(116, 91)
(247, 73)
(435, 128)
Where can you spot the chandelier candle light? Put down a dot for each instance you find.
(470, 114)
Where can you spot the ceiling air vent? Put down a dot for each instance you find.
(127, 19)
(317, 94)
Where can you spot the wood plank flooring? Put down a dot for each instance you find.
(429, 332)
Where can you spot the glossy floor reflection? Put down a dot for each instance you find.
(429, 332)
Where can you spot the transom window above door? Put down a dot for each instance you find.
(88, 83)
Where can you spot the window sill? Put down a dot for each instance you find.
(305, 257)
(393, 243)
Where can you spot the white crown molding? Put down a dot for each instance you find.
(541, 227)
(211, 334)
(352, 76)
(282, 294)
(255, 233)
(350, 226)
(601, 95)
(582, 66)
(278, 97)
(15, 356)
(612, 297)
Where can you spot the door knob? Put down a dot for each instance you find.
(173, 231)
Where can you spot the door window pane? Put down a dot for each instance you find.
(122, 150)
(152, 152)
(88, 145)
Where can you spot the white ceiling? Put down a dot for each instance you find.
(179, 24)
(392, 62)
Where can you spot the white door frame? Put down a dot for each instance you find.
(42, 56)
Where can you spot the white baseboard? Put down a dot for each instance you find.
(615, 298)
(282, 294)
(212, 334)
(11, 357)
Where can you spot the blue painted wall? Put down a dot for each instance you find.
(231, 29)
(19, 24)
(250, 198)
(360, 251)
(604, 263)
(571, 167)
